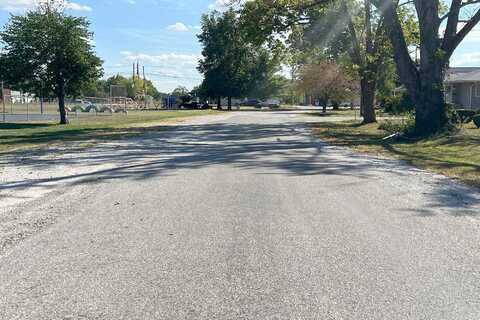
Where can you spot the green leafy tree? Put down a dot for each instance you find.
(135, 87)
(351, 32)
(180, 91)
(232, 66)
(95, 88)
(49, 53)
(424, 79)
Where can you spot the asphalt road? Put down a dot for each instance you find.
(241, 217)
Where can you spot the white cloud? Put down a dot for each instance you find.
(16, 5)
(220, 5)
(78, 7)
(171, 58)
(466, 59)
(178, 27)
(21, 5)
(473, 36)
(166, 70)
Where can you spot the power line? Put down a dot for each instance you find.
(156, 74)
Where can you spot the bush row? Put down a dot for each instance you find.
(463, 116)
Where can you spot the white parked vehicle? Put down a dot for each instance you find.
(271, 103)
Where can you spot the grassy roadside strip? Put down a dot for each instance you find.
(20, 136)
(456, 156)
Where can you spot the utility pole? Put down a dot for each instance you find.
(138, 71)
(3, 101)
(133, 73)
(144, 88)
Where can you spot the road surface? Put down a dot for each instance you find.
(241, 216)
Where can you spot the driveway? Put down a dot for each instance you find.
(242, 216)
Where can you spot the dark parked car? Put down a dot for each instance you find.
(250, 103)
(194, 106)
(189, 105)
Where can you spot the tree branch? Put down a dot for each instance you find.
(406, 68)
(355, 51)
(464, 4)
(452, 24)
(451, 43)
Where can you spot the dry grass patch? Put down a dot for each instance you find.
(455, 155)
(14, 136)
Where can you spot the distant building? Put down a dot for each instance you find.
(462, 87)
(17, 97)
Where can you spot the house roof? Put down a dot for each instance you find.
(466, 74)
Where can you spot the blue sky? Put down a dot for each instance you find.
(161, 34)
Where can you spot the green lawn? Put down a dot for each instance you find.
(352, 113)
(456, 155)
(37, 135)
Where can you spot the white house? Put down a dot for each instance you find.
(462, 87)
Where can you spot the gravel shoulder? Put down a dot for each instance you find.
(243, 216)
(37, 187)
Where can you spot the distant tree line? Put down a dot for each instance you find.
(135, 87)
(233, 65)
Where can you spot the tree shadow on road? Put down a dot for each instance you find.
(286, 148)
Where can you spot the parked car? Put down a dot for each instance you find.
(250, 103)
(270, 103)
(189, 105)
(194, 106)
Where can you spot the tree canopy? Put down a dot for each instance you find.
(375, 34)
(48, 53)
(327, 82)
(233, 66)
(424, 80)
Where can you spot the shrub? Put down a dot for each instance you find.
(77, 108)
(107, 109)
(405, 126)
(476, 120)
(398, 104)
(91, 108)
(466, 116)
(453, 115)
(391, 126)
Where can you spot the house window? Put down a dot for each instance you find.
(477, 90)
(451, 90)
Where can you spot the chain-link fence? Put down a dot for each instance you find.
(16, 106)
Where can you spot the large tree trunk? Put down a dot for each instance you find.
(229, 103)
(219, 103)
(431, 109)
(368, 69)
(323, 102)
(424, 84)
(368, 100)
(61, 105)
